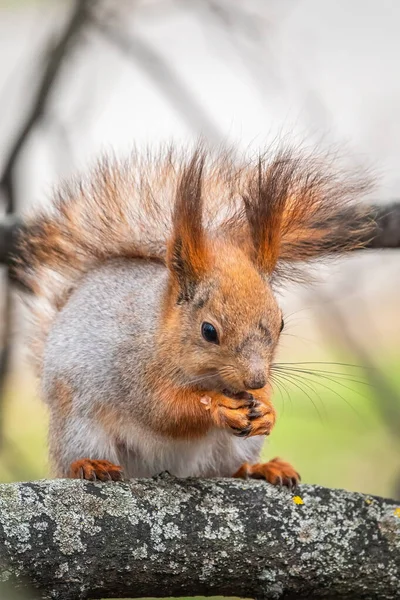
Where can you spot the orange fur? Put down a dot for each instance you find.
(188, 413)
(64, 394)
(239, 300)
(300, 208)
(276, 471)
(187, 251)
(282, 209)
(93, 470)
(223, 228)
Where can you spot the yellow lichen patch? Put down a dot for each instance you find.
(396, 512)
(368, 500)
(297, 500)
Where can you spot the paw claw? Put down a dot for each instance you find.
(255, 414)
(244, 432)
(93, 470)
(243, 414)
(276, 471)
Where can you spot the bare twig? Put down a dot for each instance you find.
(8, 231)
(387, 218)
(7, 180)
(56, 60)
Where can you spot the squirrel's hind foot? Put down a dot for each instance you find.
(93, 470)
(276, 471)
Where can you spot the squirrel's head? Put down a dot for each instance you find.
(223, 320)
(229, 326)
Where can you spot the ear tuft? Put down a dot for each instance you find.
(187, 254)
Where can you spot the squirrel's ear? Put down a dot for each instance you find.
(299, 209)
(187, 254)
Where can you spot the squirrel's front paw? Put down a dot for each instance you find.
(241, 413)
(93, 470)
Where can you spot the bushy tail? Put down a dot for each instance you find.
(282, 209)
(300, 208)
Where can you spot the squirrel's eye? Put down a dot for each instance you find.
(209, 333)
(282, 325)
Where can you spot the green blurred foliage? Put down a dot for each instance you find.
(22, 3)
(333, 432)
(335, 435)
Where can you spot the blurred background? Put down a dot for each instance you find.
(81, 78)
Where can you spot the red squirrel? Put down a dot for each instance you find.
(151, 287)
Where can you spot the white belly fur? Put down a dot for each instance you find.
(218, 454)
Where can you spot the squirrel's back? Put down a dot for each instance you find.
(105, 329)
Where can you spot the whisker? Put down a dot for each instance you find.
(337, 394)
(198, 379)
(346, 387)
(289, 379)
(280, 385)
(340, 364)
(322, 373)
(227, 370)
(298, 337)
(295, 312)
(276, 384)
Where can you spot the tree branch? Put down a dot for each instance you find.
(387, 217)
(9, 228)
(71, 539)
(39, 100)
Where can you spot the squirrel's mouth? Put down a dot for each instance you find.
(218, 384)
(237, 395)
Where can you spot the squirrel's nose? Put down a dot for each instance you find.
(256, 382)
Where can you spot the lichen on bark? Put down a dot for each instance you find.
(173, 537)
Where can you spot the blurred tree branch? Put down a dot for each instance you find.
(387, 218)
(55, 62)
(9, 230)
(51, 72)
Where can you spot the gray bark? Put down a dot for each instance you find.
(70, 539)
